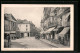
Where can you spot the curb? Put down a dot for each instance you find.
(54, 44)
(49, 44)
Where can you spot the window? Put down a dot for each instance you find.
(26, 25)
(26, 29)
(13, 23)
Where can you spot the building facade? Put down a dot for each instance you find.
(9, 25)
(56, 23)
(26, 28)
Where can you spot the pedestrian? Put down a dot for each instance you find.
(8, 38)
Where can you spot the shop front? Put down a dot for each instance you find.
(42, 35)
(22, 35)
(64, 36)
(7, 40)
(50, 33)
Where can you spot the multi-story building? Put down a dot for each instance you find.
(56, 22)
(26, 28)
(9, 25)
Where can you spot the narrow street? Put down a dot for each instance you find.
(29, 42)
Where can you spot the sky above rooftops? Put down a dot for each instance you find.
(33, 14)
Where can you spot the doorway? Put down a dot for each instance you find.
(28, 34)
(22, 34)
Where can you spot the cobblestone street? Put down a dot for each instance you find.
(29, 42)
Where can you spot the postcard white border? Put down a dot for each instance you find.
(38, 5)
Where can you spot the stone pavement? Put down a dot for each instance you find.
(54, 44)
(30, 42)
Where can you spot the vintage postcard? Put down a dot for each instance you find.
(37, 27)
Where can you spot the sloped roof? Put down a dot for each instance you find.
(22, 21)
(9, 17)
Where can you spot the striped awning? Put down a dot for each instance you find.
(64, 31)
(49, 30)
(41, 32)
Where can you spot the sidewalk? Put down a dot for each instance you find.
(54, 44)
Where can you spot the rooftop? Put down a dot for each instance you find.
(24, 22)
(9, 17)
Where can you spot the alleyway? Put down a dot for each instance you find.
(29, 42)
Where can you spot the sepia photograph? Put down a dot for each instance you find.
(37, 27)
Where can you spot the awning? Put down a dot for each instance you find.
(49, 30)
(42, 32)
(64, 31)
(55, 29)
